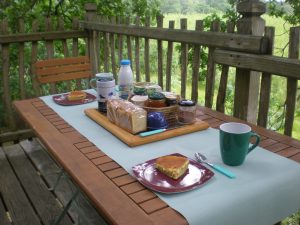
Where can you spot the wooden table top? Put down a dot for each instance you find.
(119, 197)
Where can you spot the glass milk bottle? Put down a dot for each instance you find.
(125, 80)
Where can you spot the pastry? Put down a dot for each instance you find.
(172, 166)
(76, 95)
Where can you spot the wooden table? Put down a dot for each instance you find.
(119, 197)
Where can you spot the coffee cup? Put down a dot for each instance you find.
(98, 77)
(104, 83)
(235, 142)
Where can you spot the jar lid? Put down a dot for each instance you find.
(156, 96)
(187, 103)
(139, 90)
(125, 62)
(139, 98)
(171, 97)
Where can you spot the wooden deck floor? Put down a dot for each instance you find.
(26, 173)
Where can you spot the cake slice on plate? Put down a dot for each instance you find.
(172, 166)
(76, 95)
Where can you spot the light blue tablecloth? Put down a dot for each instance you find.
(266, 190)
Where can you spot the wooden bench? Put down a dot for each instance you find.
(27, 171)
(54, 75)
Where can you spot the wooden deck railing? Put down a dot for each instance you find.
(110, 39)
(18, 80)
(244, 52)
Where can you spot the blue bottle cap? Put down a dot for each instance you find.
(125, 62)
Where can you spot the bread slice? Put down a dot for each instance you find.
(172, 166)
(76, 95)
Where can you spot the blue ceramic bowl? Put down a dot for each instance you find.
(156, 120)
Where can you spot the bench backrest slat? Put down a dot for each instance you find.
(56, 70)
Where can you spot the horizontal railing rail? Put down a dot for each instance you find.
(238, 42)
(276, 65)
(42, 36)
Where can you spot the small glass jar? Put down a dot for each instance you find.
(187, 112)
(171, 99)
(139, 90)
(156, 100)
(139, 100)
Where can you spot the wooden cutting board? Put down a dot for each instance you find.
(135, 140)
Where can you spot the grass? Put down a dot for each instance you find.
(292, 220)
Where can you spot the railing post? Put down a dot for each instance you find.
(6, 97)
(211, 69)
(247, 82)
(147, 52)
(184, 59)
(160, 20)
(220, 105)
(292, 83)
(91, 15)
(265, 86)
(137, 52)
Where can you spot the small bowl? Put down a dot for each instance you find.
(156, 120)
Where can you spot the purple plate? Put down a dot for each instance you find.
(149, 176)
(63, 100)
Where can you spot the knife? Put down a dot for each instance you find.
(148, 133)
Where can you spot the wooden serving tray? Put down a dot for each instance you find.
(135, 140)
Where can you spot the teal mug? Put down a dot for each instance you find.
(235, 142)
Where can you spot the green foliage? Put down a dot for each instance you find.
(170, 6)
(217, 4)
(204, 8)
(288, 10)
(231, 13)
(193, 6)
(207, 21)
(38, 9)
(142, 8)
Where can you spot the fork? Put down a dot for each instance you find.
(202, 159)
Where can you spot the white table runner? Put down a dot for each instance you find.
(266, 190)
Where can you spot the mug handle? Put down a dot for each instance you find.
(253, 134)
(93, 83)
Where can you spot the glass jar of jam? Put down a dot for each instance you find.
(156, 100)
(187, 112)
(171, 99)
(139, 90)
